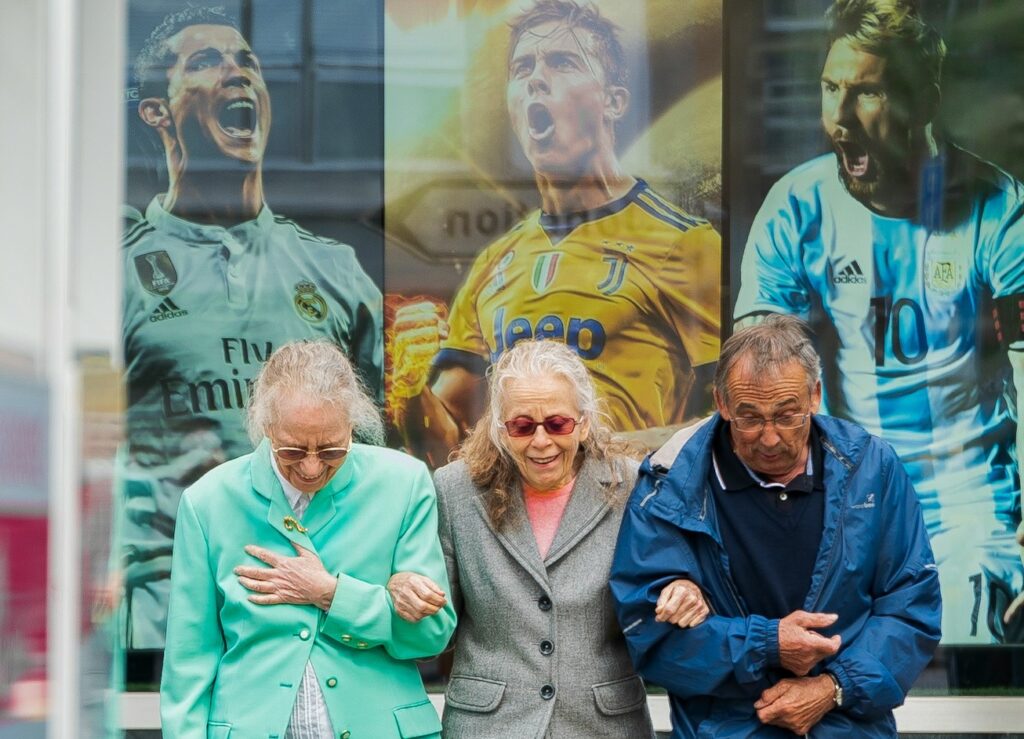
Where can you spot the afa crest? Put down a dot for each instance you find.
(309, 303)
(944, 276)
(156, 272)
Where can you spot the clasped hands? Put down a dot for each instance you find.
(799, 703)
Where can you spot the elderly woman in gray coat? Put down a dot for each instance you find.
(528, 518)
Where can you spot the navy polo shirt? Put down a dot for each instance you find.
(771, 532)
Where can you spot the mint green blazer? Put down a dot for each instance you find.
(232, 668)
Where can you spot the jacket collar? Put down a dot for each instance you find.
(584, 510)
(684, 500)
(587, 506)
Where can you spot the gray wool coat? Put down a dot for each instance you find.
(538, 650)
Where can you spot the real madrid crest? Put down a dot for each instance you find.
(309, 303)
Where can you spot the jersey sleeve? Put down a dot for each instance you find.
(465, 340)
(771, 273)
(690, 283)
(368, 337)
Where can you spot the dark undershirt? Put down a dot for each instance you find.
(771, 534)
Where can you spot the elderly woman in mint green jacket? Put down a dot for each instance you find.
(280, 622)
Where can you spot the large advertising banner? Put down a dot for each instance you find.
(253, 190)
(858, 204)
(553, 170)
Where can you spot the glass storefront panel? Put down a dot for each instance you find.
(377, 173)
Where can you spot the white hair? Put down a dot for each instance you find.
(320, 372)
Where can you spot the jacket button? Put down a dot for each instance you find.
(304, 634)
(546, 647)
(346, 734)
(547, 692)
(331, 682)
(544, 603)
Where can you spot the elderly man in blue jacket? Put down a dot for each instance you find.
(806, 537)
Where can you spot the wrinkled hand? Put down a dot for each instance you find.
(299, 580)
(415, 596)
(800, 647)
(418, 329)
(681, 603)
(797, 704)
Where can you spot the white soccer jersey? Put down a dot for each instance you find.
(204, 306)
(909, 301)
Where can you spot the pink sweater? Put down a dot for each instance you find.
(545, 509)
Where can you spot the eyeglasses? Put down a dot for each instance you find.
(751, 424)
(521, 426)
(292, 454)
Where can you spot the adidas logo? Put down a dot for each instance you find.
(851, 274)
(166, 311)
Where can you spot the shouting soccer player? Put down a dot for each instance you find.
(214, 282)
(912, 251)
(608, 266)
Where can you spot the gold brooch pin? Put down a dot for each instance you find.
(292, 524)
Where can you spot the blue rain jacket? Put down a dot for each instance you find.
(874, 568)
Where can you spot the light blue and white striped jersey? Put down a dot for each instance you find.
(204, 306)
(907, 301)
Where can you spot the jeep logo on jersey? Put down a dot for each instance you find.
(544, 271)
(156, 272)
(586, 336)
(309, 303)
(850, 274)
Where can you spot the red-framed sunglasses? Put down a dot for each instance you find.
(555, 425)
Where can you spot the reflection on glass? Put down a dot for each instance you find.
(905, 251)
(214, 280)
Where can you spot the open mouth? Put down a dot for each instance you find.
(540, 121)
(238, 119)
(856, 160)
(544, 460)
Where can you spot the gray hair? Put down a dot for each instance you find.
(771, 344)
(320, 372)
(530, 359)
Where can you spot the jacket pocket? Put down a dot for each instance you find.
(417, 719)
(217, 730)
(474, 693)
(620, 696)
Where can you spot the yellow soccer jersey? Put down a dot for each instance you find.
(633, 287)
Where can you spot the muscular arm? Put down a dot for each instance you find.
(440, 416)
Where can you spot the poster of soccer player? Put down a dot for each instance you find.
(253, 175)
(553, 171)
(855, 207)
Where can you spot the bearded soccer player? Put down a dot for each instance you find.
(912, 251)
(608, 266)
(214, 282)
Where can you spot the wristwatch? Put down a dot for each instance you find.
(838, 695)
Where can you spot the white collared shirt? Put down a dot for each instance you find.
(309, 719)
